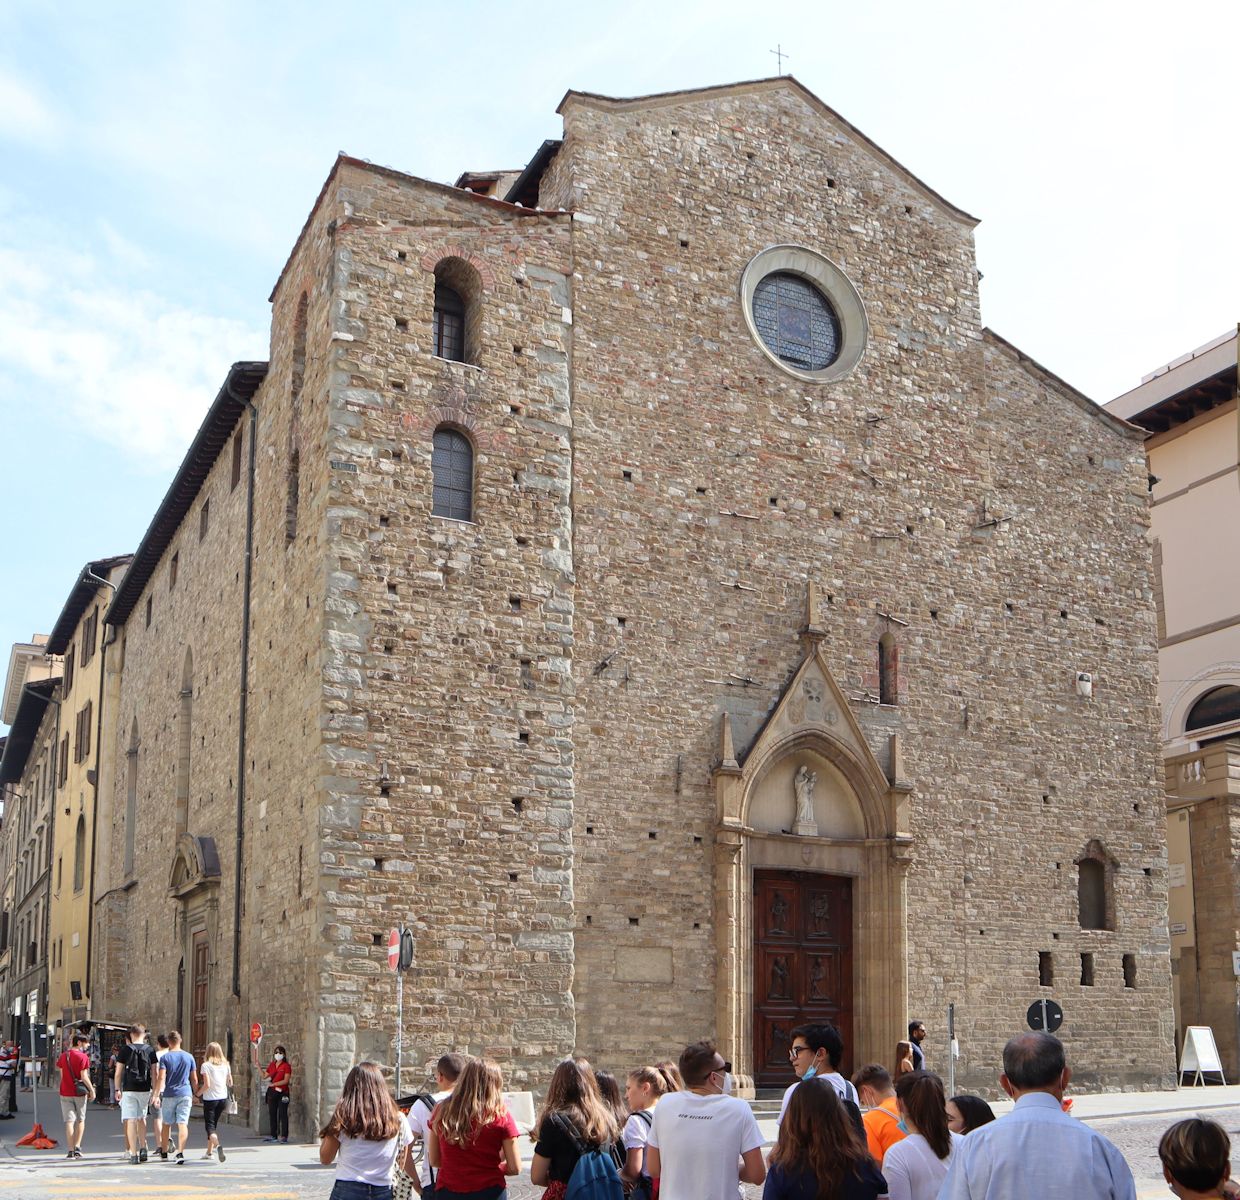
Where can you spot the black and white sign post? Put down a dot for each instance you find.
(953, 1049)
(1044, 1016)
(400, 959)
(394, 964)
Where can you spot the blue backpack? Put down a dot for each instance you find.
(595, 1176)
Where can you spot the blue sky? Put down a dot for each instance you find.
(159, 159)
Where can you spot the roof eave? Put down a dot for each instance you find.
(1082, 401)
(238, 390)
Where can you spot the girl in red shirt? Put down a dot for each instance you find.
(471, 1142)
(278, 1073)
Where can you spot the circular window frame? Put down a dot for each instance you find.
(831, 281)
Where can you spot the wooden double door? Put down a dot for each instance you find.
(802, 959)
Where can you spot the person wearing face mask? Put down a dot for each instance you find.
(815, 1053)
(278, 1074)
(700, 1135)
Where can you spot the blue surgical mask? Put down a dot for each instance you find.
(900, 1125)
(810, 1072)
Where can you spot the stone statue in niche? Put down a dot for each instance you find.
(803, 783)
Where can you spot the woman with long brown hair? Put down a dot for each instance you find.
(820, 1155)
(365, 1137)
(574, 1116)
(904, 1060)
(472, 1139)
(915, 1168)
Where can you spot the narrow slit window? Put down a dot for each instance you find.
(452, 468)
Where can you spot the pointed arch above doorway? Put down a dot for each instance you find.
(809, 797)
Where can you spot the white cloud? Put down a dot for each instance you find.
(125, 365)
(23, 114)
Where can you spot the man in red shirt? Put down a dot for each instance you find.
(76, 1089)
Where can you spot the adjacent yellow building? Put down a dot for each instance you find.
(1189, 409)
(78, 638)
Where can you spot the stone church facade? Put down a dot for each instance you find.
(665, 597)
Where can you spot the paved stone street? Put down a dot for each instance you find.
(258, 1171)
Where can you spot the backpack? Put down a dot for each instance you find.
(595, 1176)
(137, 1075)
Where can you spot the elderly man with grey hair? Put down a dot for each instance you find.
(1037, 1150)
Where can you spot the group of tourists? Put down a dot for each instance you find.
(156, 1087)
(677, 1133)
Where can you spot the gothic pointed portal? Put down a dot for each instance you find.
(194, 882)
(811, 851)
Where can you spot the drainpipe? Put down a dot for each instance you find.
(87, 573)
(243, 699)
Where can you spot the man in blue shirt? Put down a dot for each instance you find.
(1037, 1150)
(176, 1080)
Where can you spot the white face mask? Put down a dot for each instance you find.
(279, 1057)
(726, 1087)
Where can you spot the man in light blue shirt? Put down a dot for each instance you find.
(1037, 1150)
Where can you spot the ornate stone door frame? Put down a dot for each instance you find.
(813, 716)
(194, 885)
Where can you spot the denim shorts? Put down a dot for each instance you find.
(134, 1105)
(175, 1109)
(351, 1189)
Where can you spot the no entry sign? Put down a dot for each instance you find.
(1044, 1016)
(394, 949)
(256, 1033)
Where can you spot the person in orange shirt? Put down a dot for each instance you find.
(882, 1120)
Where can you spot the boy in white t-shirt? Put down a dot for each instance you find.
(447, 1071)
(700, 1135)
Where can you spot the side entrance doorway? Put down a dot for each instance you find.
(802, 960)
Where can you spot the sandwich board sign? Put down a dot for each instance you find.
(1200, 1057)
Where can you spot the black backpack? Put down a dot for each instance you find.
(137, 1076)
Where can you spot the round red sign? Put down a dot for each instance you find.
(394, 949)
(256, 1033)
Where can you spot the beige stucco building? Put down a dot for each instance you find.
(79, 641)
(1189, 409)
(648, 580)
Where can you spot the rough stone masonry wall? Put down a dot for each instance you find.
(873, 487)
(445, 641)
(140, 944)
(283, 917)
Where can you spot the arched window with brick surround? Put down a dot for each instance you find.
(456, 325)
(452, 472)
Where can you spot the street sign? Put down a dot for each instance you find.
(1044, 1016)
(406, 949)
(256, 1033)
(394, 949)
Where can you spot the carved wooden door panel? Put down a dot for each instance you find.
(198, 996)
(802, 964)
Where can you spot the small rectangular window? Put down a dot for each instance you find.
(1130, 970)
(148, 612)
(235, 477)
(69, 667)
(173, 567)
(204, 519)
(1087, 970)
(1046, 969)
